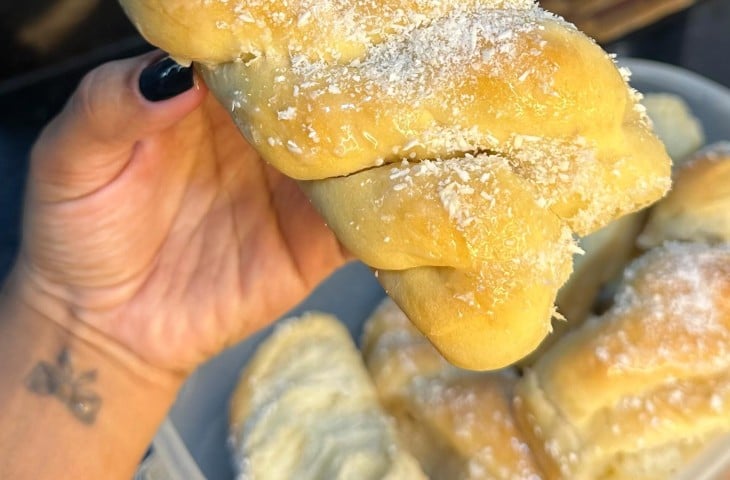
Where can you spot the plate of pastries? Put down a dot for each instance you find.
(554, 246)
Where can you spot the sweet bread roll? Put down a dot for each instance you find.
(458, 424)
(339, 94)
(636, 393)
(698, 207)
(305, 408)
(455, 242)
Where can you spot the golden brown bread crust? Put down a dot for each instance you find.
(635, 393)
(328, 92)
(458, 424)
(697, 208)
(493, 269)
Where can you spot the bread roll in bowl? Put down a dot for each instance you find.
(698, 207)
(338, 93)
(306, 409)
(636, 393)
(457, 423)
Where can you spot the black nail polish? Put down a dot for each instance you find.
(165, 79)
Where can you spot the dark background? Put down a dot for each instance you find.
(47, 45)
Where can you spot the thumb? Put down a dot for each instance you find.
(114, 107)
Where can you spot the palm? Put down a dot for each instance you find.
(196, 229)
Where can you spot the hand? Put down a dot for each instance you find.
(154, 227)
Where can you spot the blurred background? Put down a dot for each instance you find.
(42, 33)
(47, 46)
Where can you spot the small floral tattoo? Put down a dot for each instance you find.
(60, 381)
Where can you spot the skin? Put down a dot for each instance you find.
(154, 237)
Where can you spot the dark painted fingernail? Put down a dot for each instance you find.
(165, 79)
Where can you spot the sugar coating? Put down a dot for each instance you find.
(361, 55)
(445, 51)
(678, 297)
(408, 58)
(486, 203)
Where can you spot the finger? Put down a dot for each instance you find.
(115, 106)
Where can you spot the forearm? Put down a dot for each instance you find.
(55, 423)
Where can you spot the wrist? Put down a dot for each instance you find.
(58, 388)
(52, 308)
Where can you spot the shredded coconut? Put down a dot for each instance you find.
(673, 295)
(430, 54)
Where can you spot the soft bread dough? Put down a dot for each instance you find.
(460, 225)
(458, 424)
(698, 207)
(339, 93)
(636, 393)
(306, 409)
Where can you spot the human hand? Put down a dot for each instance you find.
(154, 228)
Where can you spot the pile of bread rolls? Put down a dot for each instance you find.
(457, 147)
(634, 393)
(454, 146)
(639, 390)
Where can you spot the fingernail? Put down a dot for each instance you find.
(165, 79)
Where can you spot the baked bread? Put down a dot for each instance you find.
(457, 423)
(355, 98)
(698, 207)
(305, 408)
(675, 125)
(636, 393)
(454, 249)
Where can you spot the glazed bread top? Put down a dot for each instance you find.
(327, 88)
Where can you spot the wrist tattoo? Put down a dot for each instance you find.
(59, 380)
